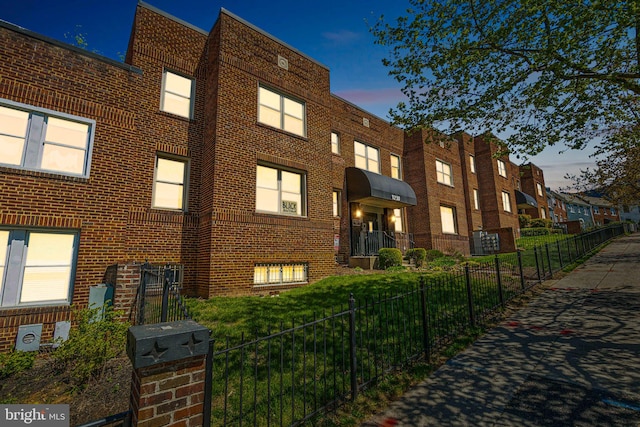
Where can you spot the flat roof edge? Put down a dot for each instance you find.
(173, 18)
(275, 39)
(67, 46)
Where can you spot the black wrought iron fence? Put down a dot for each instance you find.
(159, 298)
(303, 370)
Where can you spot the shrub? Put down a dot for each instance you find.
(396, 269)
(389, 257)
(15, 362)
(530, 232)
(418, 255)
(91, 344)
(432, 254)
(525, 220)
(541, 223)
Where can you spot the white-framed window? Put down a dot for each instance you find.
(336, 202)
(476, 199)
(39, 139)
(396, 168)
(506, 201)
(539, 188)
(596, 210)
(613, 212)
(177, 94)
(335, 143)
(280, 191)
(282, 112)
(472, 163)
(448, 218)
(36, 267)
(443, 173)
(543, 213)
(170, 183)
(502, 168)
(279, 274)
(571, 209)
(366, 157)
(397, 221)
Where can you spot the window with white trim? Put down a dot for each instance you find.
(280, 274)
(613, 212)
(472, 163)
(169, 184)
(476, 199)
(443, 173)
(335, 143)
(502, 168)
(336, 203)
(177, 94)
(448, 218)
(596, 210)
(366, 157)
(36, 267)
(39, 139)
(282, 112)
(539, 188)
(280, 191)
(506, 201)
(396, 168)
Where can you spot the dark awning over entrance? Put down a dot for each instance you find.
(525, 201)
(378, 190)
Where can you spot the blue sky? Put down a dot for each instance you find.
(333, 32)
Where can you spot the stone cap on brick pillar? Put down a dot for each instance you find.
(149, 345)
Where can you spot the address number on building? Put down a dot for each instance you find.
(395, 197)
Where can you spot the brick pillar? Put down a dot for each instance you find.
(127, 280)
(168, 380)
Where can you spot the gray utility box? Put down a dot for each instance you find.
(99, 296)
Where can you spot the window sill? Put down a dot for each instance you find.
(281, 216)
(272, 285)
(43, 174)
(282, 131)
(446, 185)
(176, 116)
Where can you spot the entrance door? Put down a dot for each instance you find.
(373, 233)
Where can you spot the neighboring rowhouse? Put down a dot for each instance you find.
(220, 150)
(602, 210)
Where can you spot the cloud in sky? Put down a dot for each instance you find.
(342, 37)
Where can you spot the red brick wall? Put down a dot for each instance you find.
(531, 175)
(422, 149)
(466, 147)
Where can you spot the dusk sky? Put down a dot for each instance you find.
(333, 32)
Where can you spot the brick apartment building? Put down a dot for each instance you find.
(223, 151)
(532, 183)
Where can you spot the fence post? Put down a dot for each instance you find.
(165, 293)
(467, 276)
(352, 348)
(569, 251)
(499, 278)
(521, 269)
(425, 320)
(546, 246)
(143, 292)
(535, 254)
(168, 379)
(559, 254)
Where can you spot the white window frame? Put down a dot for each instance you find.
(371, 164)
(397, 168)
(282, 111)
(184, 184)
(506, 201)
(14, 265)
(472, 163)
(164, 92)
(543, 212)
(596, 210)
(398, 223)
(35, 141)
(335, 143)
(502, 168)
(280, 274)
(613, 211)
(337, 202)
(450, 226)
(476, 199)
(279, 189)
(442, 174)
(539, 188)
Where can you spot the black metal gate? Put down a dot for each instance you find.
(159, 298)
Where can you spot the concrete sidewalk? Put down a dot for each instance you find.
(570, 358)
